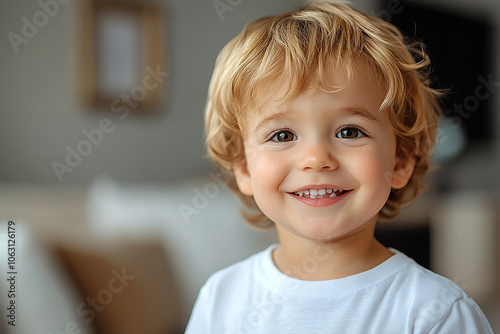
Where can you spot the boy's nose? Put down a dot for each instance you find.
(317, 158)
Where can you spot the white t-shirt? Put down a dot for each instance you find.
(398, 296)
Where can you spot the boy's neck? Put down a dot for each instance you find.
(316, 260)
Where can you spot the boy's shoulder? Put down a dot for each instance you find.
(424, 284)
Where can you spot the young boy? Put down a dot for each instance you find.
(324, 122)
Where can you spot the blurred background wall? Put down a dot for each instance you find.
(41, 113)
(40, 105)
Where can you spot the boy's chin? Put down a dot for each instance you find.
(326, 231)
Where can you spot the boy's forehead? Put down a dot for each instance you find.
(338, 80)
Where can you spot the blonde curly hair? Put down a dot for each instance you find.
(298, 47)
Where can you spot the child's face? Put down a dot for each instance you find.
(322, 164)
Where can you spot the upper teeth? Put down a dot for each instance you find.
(318, 192)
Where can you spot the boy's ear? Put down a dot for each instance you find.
(403, 169)
(243, 178)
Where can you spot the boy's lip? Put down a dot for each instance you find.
(324, 194)
(321, 201)
(319, 186)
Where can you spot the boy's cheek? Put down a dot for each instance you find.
(372, 170)
(250, 153)
(261, 170)
(264, 170)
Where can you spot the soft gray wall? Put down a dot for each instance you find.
(40, 112)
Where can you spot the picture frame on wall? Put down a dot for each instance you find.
(122, 47)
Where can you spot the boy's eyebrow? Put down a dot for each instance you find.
(360, 112)
(278, 116)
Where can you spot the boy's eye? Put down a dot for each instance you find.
(283, 136)
(349, 133)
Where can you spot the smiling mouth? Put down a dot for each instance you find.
(320, 193)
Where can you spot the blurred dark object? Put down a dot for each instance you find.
(460, 46)
(411, 239)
